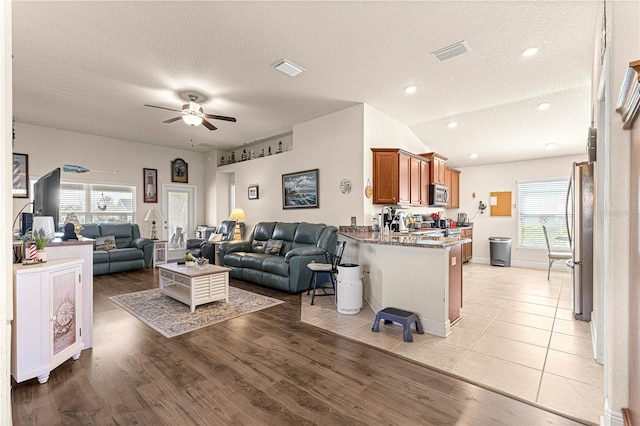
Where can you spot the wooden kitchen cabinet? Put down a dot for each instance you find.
(455, 282)
(467, 249)
(438, 167)
(400, 177)
(452, 181)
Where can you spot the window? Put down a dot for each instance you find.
(542, 202)
(97, 203)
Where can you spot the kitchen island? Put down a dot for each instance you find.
(414, 272)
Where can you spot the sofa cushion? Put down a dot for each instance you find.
(90, 230)
(100, 257)
(253, 260)
(273, 247)
(108, 242)
(123, 254)
(276, 265)
(124, 233)
(258, 246)
(308, 233)
(263, 231)
(284, 231)
(234, 259)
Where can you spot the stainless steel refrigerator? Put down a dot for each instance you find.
(579, 219)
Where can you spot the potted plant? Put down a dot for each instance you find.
(189, 260)
(40, 239)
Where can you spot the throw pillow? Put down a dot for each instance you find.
(258, 246)
(273, 247)
(108, 242)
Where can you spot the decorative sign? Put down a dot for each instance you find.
(179, 171)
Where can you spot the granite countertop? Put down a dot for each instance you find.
(364, 234)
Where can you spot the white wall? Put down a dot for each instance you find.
(50, 148)
(332, 144)
(504, 177)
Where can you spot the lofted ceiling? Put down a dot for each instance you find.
(91, 66)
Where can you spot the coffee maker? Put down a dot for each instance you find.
(463, 219)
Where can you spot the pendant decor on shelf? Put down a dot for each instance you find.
(368, 190)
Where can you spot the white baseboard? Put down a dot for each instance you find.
(525, 264)
(611, 417)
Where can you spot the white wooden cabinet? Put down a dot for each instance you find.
(47, 324)
(159, 252)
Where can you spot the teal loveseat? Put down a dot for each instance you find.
(118, 247)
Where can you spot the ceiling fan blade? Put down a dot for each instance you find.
(171, 120)
(220, 117)
(159, 107)
(208, 125)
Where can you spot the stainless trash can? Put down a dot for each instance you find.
(500, 251)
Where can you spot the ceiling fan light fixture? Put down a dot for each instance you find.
(192, 120)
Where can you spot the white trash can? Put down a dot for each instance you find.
(349, 289)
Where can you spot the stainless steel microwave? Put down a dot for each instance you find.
(438, 195)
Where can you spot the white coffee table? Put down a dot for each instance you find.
(194, 286)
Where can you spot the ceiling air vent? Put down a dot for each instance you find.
(205, 145)
(452, 51)
(288, 67)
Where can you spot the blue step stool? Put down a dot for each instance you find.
(405, 318)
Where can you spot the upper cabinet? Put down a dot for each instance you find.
(400, 177)
(452, 181)
(438, 167)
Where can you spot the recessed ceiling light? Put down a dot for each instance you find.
(452, 124)
(288, 67)
(543, 105)
(549, 145)
(410, 89)
(530, 51)
(473, 156)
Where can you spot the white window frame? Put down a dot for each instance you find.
(542, 202)
(92, 215)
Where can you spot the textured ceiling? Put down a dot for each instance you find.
(91, 66)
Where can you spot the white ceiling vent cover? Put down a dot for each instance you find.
(452, 51)
(288, 67)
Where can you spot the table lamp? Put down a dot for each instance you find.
(153, 215)
(238, 215)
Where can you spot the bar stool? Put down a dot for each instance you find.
(331, 268)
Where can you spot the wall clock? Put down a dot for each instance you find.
(345, 185)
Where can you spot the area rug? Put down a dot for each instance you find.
(171, 318)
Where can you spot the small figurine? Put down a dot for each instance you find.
(244, 155)
(222, 160)
(269, 150)
(279, 147)
(233, 156)
(253, 154)
(262, 153)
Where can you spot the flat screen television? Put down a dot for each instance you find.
(46, 196)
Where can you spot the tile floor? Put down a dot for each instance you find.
(516, 335)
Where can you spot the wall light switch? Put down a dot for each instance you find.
(454, 261)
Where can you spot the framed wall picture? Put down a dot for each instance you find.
(300, 190)
(179, 171)
(253, 192)
(150, 179)
(20, 176)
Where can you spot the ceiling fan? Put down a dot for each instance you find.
(193, 114)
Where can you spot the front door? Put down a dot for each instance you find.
(178, 207)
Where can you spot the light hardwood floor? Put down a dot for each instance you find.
(265, 368)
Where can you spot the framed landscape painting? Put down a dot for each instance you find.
(300, 190)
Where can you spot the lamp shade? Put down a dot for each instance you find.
(192, 120)
(153, 215)
(237, 214)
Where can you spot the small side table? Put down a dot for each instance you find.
(159, 252)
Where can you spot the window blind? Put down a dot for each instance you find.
(97, 203)
(542, 202)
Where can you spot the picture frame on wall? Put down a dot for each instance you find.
(179, 171)
(150, 179)
(300, 190)
(253, 192)
(20, 176)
